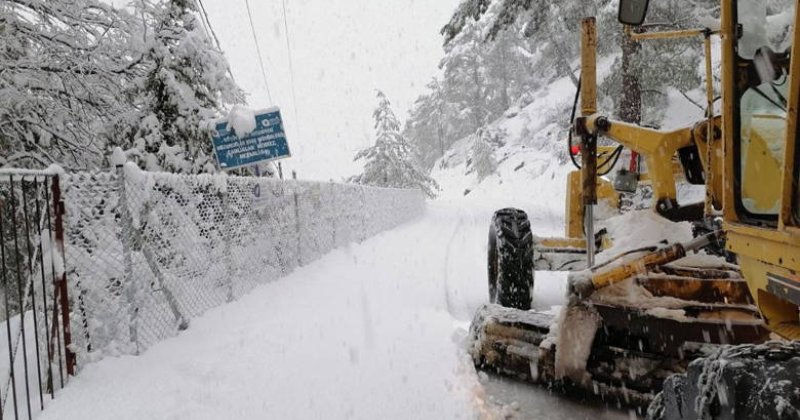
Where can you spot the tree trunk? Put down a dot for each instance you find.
(505, 101)
(630, 104)
(478, 113)
(562, 65)
(440, 134)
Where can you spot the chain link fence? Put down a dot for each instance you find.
(147, 252)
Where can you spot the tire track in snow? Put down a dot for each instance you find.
(464, 268)
(446, 266)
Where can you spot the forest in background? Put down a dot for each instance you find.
(498, 55)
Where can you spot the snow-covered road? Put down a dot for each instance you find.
(371, 331)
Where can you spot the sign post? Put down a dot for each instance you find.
(266, 143)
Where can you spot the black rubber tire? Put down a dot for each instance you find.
(510, 261)
(738, 383)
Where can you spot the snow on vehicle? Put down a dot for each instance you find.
(647, 307)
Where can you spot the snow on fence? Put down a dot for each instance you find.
(147, 252)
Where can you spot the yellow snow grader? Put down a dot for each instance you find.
(662, 324)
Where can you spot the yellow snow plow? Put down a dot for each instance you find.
(681, 298)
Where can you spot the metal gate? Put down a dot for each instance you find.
(35, 353)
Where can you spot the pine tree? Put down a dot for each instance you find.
(482, 160)
(186, 87)
(389, 161)
(428, 128)
(465, 75)
(508, 69)
(481, 80)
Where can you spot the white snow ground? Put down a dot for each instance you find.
(374, 330)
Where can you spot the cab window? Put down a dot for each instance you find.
(763, 54)
(763, 133)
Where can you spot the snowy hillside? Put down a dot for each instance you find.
(532, 163)
(530, 147)
(529, 144)
(508, 81)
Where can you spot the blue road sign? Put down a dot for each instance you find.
(267, 142)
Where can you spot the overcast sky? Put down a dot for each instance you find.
(342, 50)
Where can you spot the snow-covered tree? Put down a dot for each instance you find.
(186, 86)
(389, 163)
(508, 70)
(62, 65)
(429, 127)
(465, 75)
(482, 160)
(79, 77)
(480, 80)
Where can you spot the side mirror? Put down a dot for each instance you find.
(632, 12)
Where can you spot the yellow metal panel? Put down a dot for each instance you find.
(574, 210)
(687, 33)
(613, 274)
(577, 243)
(574, 206)
(658, 149)
(780, 316)
(774, 247)
(646, 140)
(761, 175)
(589, 67)
(790, 331)
(606, 193)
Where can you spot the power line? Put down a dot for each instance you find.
(206, 21)
(291, 64)
(258, 50)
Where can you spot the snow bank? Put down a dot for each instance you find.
(147, 252)
(118, 157)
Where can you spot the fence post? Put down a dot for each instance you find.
(58, 204)
(298, 228)
(228, 237)
(127, 257)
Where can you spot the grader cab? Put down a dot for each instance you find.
(689, 293)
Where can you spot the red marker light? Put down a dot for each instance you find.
(575, 149)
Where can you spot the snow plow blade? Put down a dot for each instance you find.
(632, 353)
